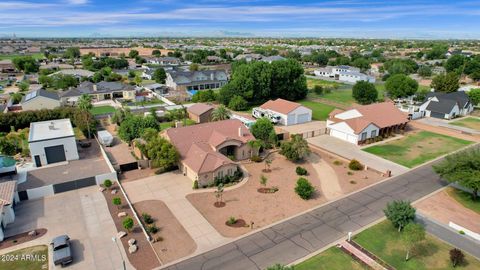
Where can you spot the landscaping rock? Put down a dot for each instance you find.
(101, 189)
(132, 249)
(32, 233)
(132, 242)
(122, 214)
(114, 192)
(121, 234)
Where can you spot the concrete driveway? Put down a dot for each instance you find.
(351, 151)
(83, 215)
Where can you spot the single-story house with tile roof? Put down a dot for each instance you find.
(77, 73)
(40, 99)
(8, 198)
(447, 105)
(200, 112)
(366, 122)
(99, 91)
(205, 148)
(291, 113)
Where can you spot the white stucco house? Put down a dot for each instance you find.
(343, 73)
(291, 113)
(359, 124)
(52, 141)
(8, 199)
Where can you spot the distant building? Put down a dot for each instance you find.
(270, 59)
(196, 80)
(343, 74)
(98, 52)
(289, 113)
(447, 105)
(200, 112)
(7, 66)
(248, 57)
(77, 73)
(40, 99)
(100, 91)
(163, 61)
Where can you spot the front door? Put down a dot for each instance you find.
(38, 163)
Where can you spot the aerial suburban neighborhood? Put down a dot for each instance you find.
(249, 135)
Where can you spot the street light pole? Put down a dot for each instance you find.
(114, 239)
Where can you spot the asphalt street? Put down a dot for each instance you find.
(297, 237)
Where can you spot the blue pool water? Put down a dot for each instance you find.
(6, 161)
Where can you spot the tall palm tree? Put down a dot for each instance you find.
(85, 104)
(221, 113)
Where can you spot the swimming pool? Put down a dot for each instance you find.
(7, 164)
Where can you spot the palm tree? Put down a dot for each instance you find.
(221, 113)
(85, 104)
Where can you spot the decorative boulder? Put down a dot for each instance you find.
(32, 233)
(114, 192)
(122, 214)
(132, 249)
(132, 242)
(121, 234)
(101, 189)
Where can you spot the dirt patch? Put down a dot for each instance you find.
(21, 238)
(443, 208)
(136, 174)
(175, 241)
(219, 204)
(239, 223)
(145, 257)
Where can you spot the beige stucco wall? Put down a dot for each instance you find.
(206, 178)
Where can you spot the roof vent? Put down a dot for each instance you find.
(51, 126)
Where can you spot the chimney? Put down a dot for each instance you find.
(212, 76)
(94, 88)
(240, 132)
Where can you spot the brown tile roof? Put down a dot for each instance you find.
(196, 144)
(7, 190)
(280, 105)
(199, 108)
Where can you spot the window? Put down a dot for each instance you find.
(220, 174)
(364, 136)
(373, 134)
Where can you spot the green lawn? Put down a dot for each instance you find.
(342, 93)
(464, 198)
(417, 148)
(11, 56)
(166, 125)
(469, 122)
(384, 241)
(324, 83)
(102, 110)
(319, 111)
(332, 258)
(31, 258)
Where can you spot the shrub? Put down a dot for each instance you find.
(318, 89)
(337, 162)
(159, 239)
(304, 189)
(461, 232)
(195, 184)
(107, 183)
(152, 229)
(147, 218)
(355, 165)
(456, 257)
(117, 201)
(301, 171)
(400, 213)
(256, 159)
(128, 223)
(350, 173)
(227, 179)
(231, 220)
(238, 103)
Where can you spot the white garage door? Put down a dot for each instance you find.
(303, 118)
(338, 134)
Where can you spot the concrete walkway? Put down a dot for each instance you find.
(351, 151)
(445, 123)
(171, 188)
(362, 256)
(328, 178)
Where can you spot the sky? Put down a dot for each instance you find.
(429, 19)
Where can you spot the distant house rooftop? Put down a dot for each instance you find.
(39, 93)
(52, 129)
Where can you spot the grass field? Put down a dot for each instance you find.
(469, 122)
(102, 110)
(11, 56)
(325, 84)
(417, 148)
(166, 125)
(464, 198)
(31, 258)
(332, 258)
(384, 241)
(340, 93)
(319, 111)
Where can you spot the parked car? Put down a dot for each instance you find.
(62, 251)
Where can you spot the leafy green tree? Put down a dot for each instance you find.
(263, 130)
(7, 147)
(220, 113)
(364, 92)
(456, 257)
(400, 213)
(23, 86)
(238, 103)
(26, 64)
(263, 180)
(133, 126)
(85, 104)
(72, 53)
(412, 234)
(194, 67)
(162, 153)
(425, 71)
(400, 66)
(204, 96)
(156, 53)
(400, 85)
(446, 82)
(456, 63)
(16, 97)
(295, 149)
(362, 63)
(462, 168)
(159, 75)
(304, 188)
(128, 223)
(133, 54)
(474, 95)
(131, 74)
(438, 51)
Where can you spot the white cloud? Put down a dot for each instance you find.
(77, 2)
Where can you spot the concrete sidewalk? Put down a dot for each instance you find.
(351, 151)
(171, 188)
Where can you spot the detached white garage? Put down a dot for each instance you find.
(291, 113)
(52, 141)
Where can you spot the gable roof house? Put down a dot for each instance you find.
(447, 105)
(40, 99)
(205, 148)
(8, 197)
(196, 80)
(100, 91)
(362, 123)
(290, 113)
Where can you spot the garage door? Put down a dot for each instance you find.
(437, 115)
(55, 154)
(303, 118)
